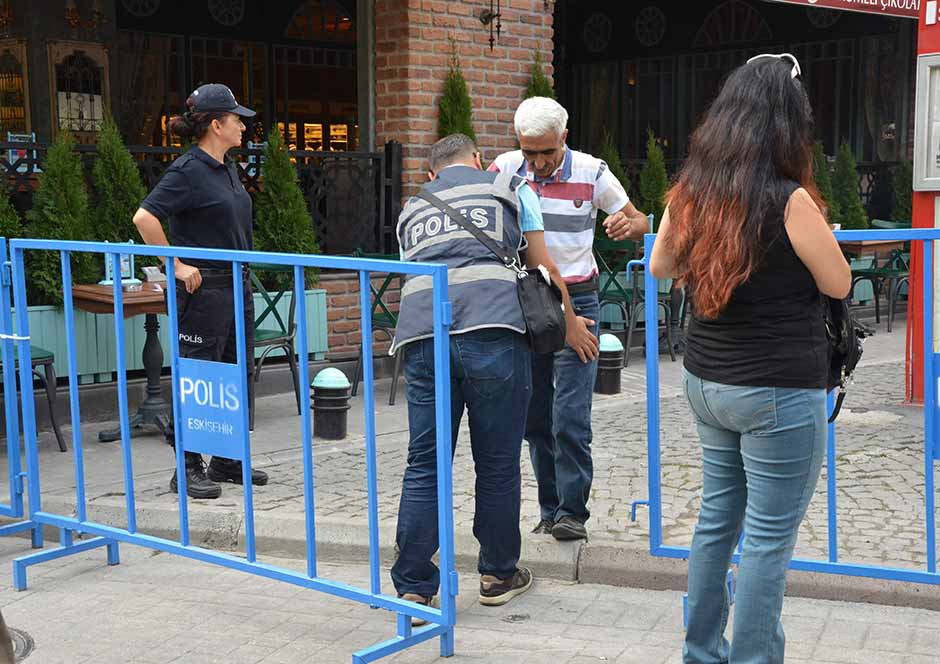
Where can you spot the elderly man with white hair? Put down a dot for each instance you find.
(572, 186)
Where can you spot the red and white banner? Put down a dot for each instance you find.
(904, 8)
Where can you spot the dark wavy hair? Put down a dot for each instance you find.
(731, 192)
(191, 125)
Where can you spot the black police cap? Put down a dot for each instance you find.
(215, 97)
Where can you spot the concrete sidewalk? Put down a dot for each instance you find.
(879, 465)
(158, 609)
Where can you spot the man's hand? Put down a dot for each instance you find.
(581, 339)
(626, 224)
(188, 274)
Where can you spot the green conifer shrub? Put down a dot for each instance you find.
(119, 190)
(60, 212)
(282, 218)
(902, 183)
(845, 194)
(654, 182)
(455, 109)
(539, 85)
(824, 182)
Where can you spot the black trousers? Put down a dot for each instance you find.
(206, 325)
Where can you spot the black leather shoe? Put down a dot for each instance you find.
(544, 527)
(230, 470)
(569, 528)
(198, 485)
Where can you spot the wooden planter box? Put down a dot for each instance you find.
(95, 343)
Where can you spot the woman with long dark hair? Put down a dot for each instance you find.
(744, 229)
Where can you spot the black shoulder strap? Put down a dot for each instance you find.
(504, 256)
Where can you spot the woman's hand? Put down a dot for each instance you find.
(188, 274)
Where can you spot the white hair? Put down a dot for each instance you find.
(540, 116)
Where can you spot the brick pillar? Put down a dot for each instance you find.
(412, 54)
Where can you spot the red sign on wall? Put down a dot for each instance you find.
(903, 8)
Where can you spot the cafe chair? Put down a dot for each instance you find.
(45, 360)
(887, 280)
(280, 337)
(384, 320)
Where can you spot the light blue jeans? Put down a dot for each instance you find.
(762, 449)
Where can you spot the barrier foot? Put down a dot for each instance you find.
(22, 526)
(447, 643)
(399, 643)
(20, 564)
(637, 503)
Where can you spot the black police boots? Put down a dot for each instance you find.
(230, 470)
(197, 484)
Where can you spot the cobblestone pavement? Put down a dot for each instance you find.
(157, 609)
(879, 468)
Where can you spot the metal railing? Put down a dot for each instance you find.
(832, 565)
(233, 439)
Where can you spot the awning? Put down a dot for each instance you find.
(902, 8)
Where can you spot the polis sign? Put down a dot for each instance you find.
(902, 8)
(210, 407)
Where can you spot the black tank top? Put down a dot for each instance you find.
(772, 332)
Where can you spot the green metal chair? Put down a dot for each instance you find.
(665, 292)
(888, 279)
(281, 337)
(612, 257)
(383, 320)
(44, 359)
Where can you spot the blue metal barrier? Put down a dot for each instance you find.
(14, 509)
(234, 425)
(931, 448)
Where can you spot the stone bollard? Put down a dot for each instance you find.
(609, 363)
(330, 403)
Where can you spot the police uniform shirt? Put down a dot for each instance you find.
(205, 204)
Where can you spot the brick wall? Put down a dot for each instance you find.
(343, 313)
(412, 53)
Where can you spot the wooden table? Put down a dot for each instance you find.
(149, 301)
(878, 248)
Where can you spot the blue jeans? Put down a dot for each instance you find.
(491, 377)
(559, 425)
(762, 449)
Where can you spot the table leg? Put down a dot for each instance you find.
(154, 409)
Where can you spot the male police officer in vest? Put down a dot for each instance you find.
(490, 364)
(571, 187)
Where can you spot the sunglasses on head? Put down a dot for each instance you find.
(796, 71)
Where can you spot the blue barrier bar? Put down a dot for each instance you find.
(651, 313)
(441, 620)
(7, 345)
(930, 407)
(443, 315)
(172, 309)
(238, 282)
(235, 562)
(306, 439)
(118, 291)
(77, 445)
(932, 444)
(833, 527)
(27, 400)
(368, 399)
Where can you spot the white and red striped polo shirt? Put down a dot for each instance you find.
(570, 199)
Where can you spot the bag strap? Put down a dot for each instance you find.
(511, 262)
(838, 405)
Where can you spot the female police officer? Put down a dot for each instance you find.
(203, 200)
